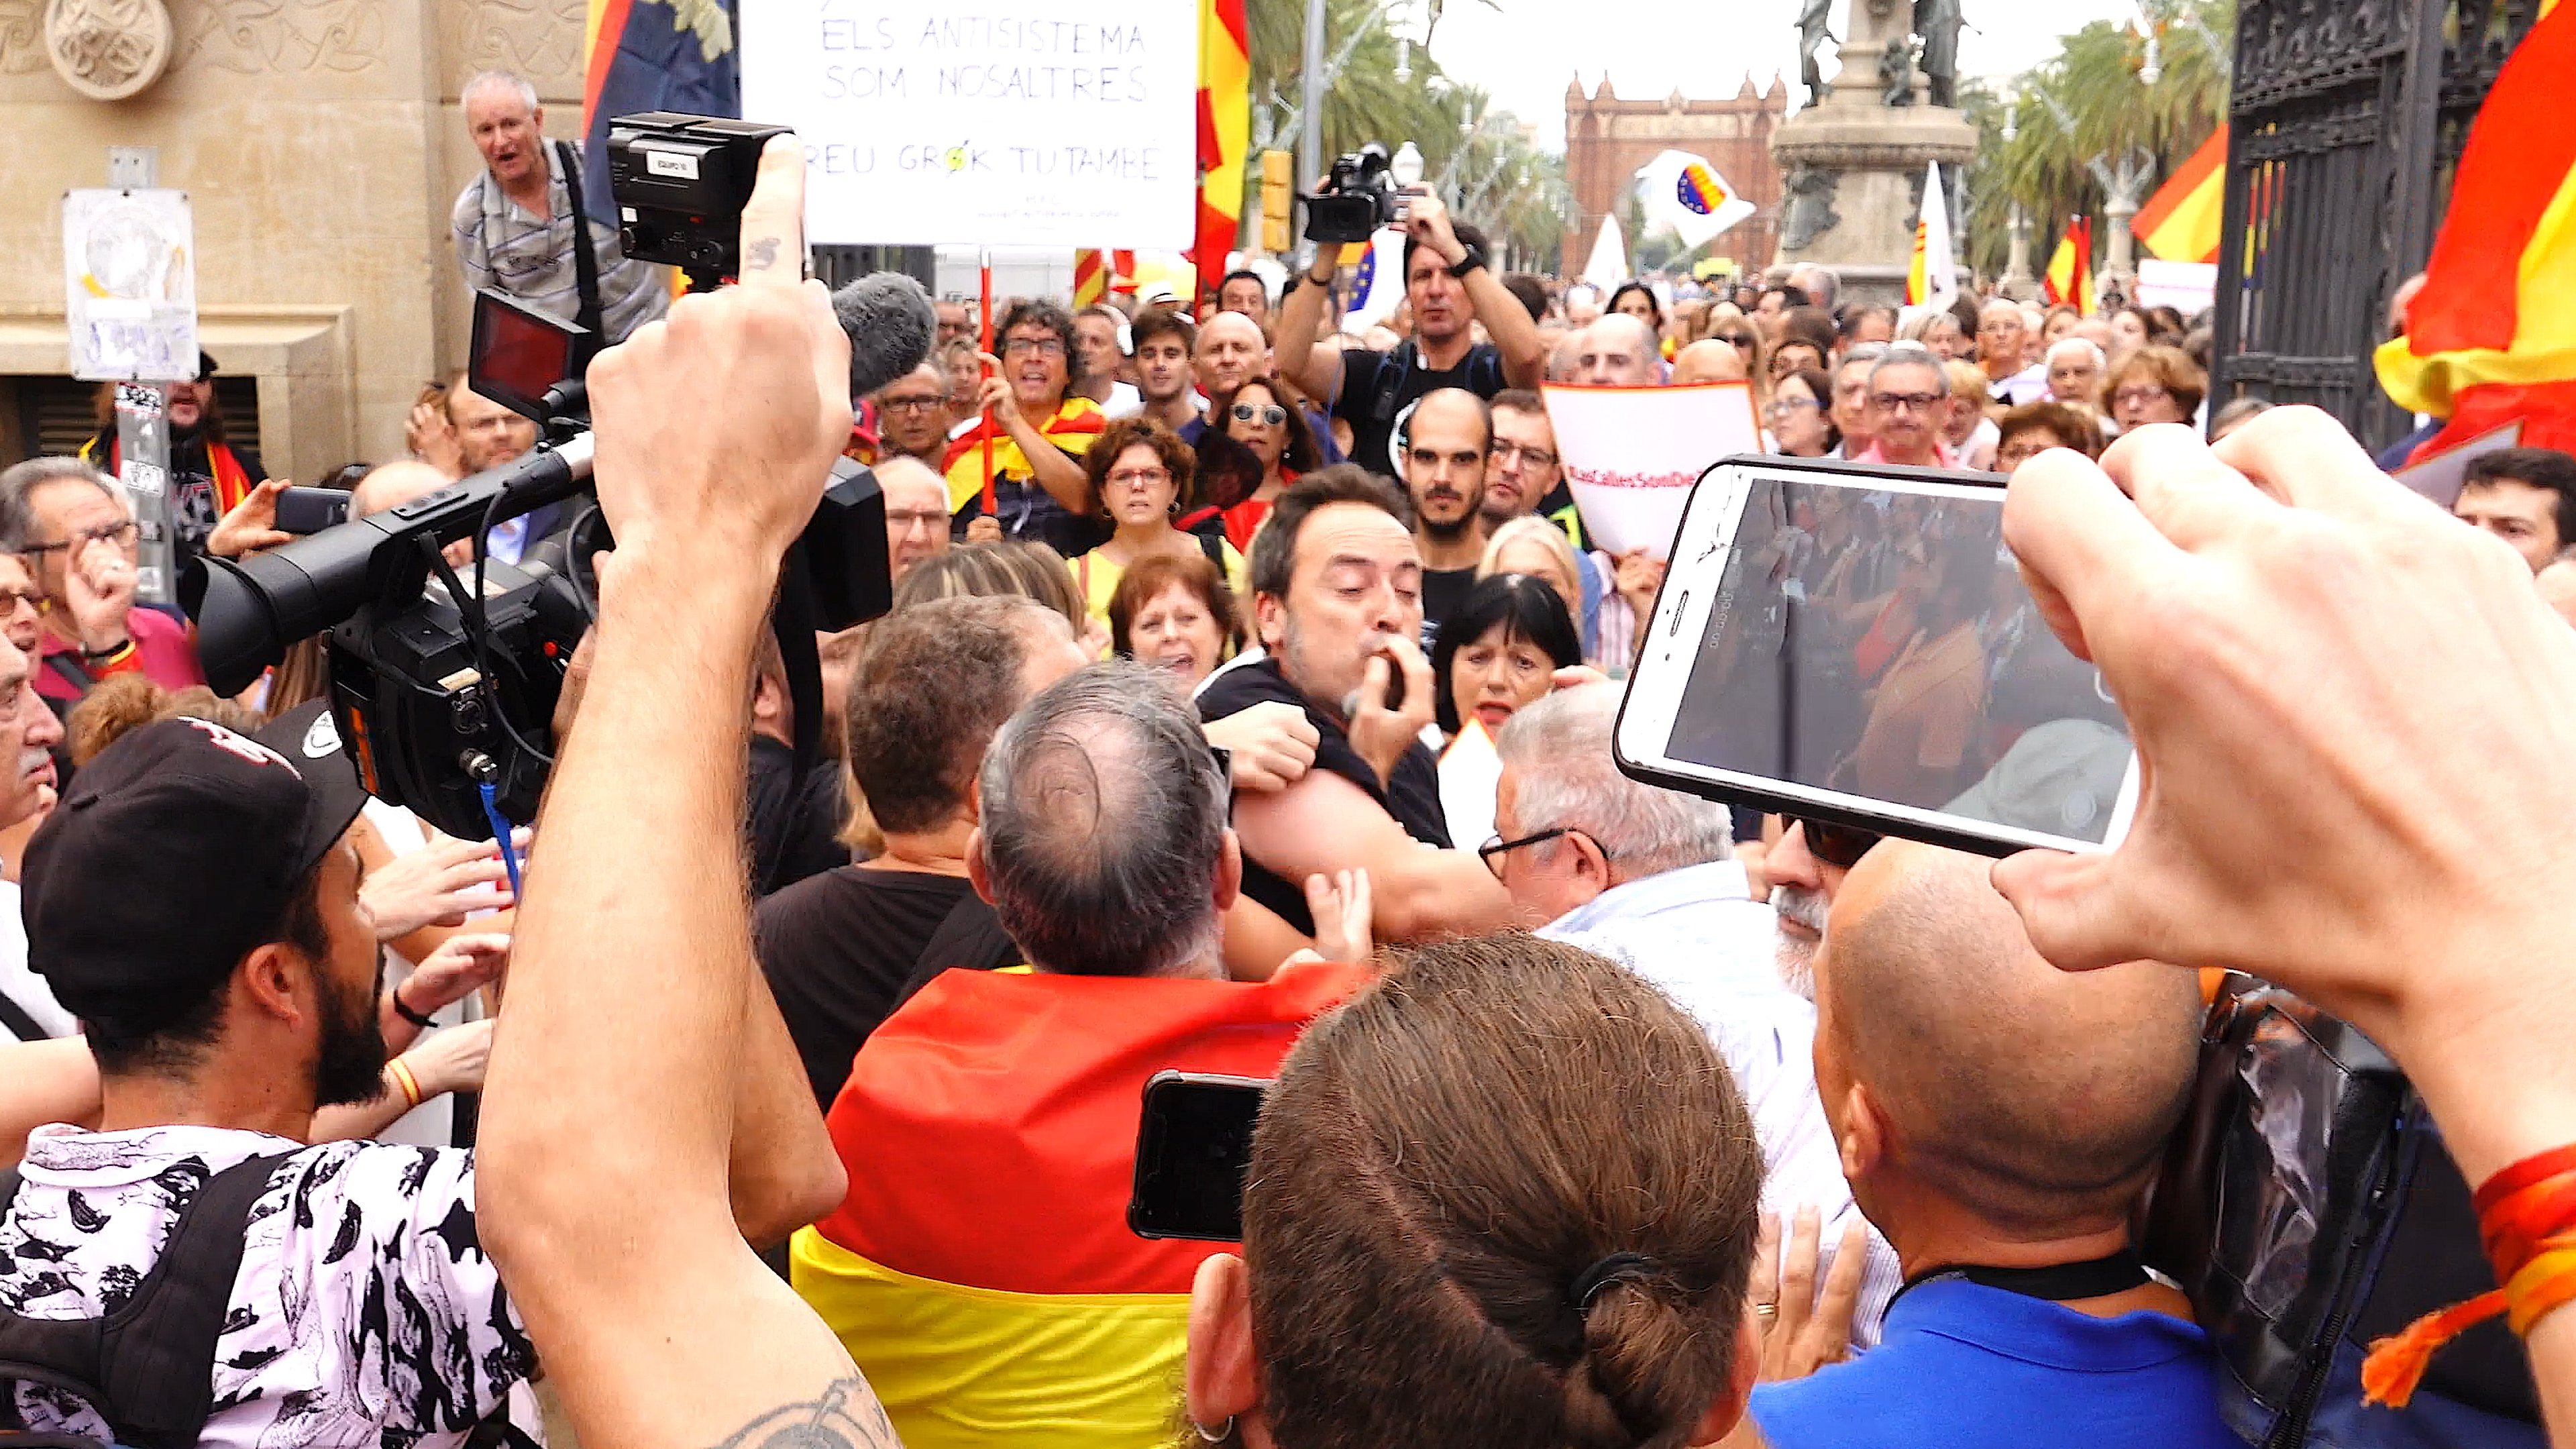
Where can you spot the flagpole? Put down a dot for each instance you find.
(984, 315)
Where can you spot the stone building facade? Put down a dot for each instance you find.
(321, 144)
(1607, 139)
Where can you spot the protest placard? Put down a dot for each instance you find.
(925, 121)
(1632, 453)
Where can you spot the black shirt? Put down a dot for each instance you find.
(1443, 590)
(791, 821)
(1377, 388)
(1411, 796)
(843, 949)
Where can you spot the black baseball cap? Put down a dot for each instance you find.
(175, 854)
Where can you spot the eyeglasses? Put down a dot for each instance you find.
(1914, 402)
(1496, 847)
(1781, 407)
(906, 520)
(1140, 478)
(1840, 846)
(2143, 393)
(11, 599)
(1743, 340)
(910, 404)
(120, 534)
(1038, 346)
(1271, 413)
(1530, 457)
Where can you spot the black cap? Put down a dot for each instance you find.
(175, 854)
(205, 364)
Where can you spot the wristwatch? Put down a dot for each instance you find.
(1474, 258)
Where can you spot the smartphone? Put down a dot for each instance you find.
(311, 510)
(517, 353)
(1855, 644)
(1193, 1147)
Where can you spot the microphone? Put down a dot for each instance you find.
(890, 324)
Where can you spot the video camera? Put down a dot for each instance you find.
(1358, 197)
(444, 685)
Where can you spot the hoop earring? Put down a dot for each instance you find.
(1217, 1435)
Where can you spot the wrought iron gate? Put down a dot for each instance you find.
(2343, 132)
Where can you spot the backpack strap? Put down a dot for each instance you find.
(23, 1026)
(585, 262)
(148, 1367)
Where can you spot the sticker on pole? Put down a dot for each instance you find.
(130, 285)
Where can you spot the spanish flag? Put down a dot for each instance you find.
(2070, 268)
(1072, 428)
(1225, 134)
(651, 55)
(2180, 222)
(1097, 274)
(981, 1272)
(2492, 336)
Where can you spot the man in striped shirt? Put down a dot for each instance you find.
(514, 223)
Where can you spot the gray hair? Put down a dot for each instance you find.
(20, 482)
(1813, 273)
(1104, 818)
(1912, 354)
(1560, 748)
(2050, 357)
(500, 79)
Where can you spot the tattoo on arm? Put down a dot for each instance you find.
(847, 1416)
(764, 254)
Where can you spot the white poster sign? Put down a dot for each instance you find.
(1632, 453)
(2187, 287)
(927, 121)
(130, 285)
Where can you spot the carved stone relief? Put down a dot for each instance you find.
(253, 37)
(107, 49)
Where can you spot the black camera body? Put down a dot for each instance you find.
(680, 183)
(1356, 199)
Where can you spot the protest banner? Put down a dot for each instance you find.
(925, 122)
(1631, 454)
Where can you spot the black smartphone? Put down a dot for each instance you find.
(311, 510)
(518, 353)
(1193, 1147)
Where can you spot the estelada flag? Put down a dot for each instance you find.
(1225, 133)
(1073, 428)
(657, 55)
(981, 1272)
(2492, 336)
(2070, 268)
(2180, 222)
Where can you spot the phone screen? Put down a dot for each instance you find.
(517, 354)
(1193, 1147)
(1871, 641)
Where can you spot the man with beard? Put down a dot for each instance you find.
(208, 475)
(195, 903)
(1444, 446)
(1805, 869)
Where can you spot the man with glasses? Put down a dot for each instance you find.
(68, 521)
(916, 513)
(1038, 426)
(1647, 877)
(2003, 336)
(912, 417)
(1524, 474)
(1804, 869)
(1907, 394)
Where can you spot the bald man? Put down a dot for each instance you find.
(1708, 361)
(1998, 1119)
(1619, 351)
(916, 512)
(1443, 444)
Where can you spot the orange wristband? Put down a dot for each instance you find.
(2527, 1220)
(403, 1079)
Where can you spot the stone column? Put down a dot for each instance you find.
(2119, 266)
(2017, 281)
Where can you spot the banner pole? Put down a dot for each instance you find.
(984, 317)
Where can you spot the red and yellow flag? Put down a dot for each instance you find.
(1225, 134)
(2070, 269)
(981, 1271)
(2491, 338)
(1098, 274)
(2180, 222)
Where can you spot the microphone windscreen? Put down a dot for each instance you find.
(890, 324)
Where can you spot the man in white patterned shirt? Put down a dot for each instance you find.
(514, 223)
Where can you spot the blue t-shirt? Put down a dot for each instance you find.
(1963, 1364)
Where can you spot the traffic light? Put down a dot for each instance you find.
(1278, 192)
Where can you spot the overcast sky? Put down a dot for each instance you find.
(1526, 51)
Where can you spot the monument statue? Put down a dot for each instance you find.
(1937, 22)
(1896, 72)
(1812, 36)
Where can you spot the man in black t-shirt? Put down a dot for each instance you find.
(1449, 288)
(1336, 596)
(1444, 445)
(842, 949)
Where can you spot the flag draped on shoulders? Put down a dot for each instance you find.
(1072, 428)
(2491, 338)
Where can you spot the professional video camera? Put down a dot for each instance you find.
(444, 679)
(1356, 199)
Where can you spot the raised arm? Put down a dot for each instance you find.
(1323, 824)
(1307, 363)
(613, 1078)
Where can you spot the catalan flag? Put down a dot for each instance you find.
(1933, 276)
(981, 1272)
(1073, 428)
(2070, 268)
(651, 55)
(2180, 222)
(1097, 274)
(2491, 338)
(1225, 134)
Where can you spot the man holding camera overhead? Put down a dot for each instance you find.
(1449, 287)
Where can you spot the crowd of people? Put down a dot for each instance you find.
(1245, 708)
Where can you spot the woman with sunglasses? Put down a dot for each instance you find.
(1274, 430)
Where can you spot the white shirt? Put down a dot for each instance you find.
(364, 1311)
(22, 986)
(1696, 935)
(1124, 400)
